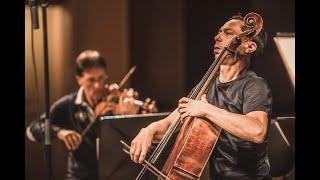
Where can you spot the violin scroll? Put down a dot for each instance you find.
(149, 106)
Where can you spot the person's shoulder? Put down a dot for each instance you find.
(65, 99)
(252, 76)
(252, 79)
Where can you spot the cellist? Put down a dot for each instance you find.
(238, 100)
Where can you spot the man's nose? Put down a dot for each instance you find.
(97, 84)
(217, 37)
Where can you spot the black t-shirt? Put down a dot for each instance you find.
(232, 157)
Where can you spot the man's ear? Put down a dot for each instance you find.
(79, 80)
(250, 47)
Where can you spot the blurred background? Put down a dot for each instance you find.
(169, 42)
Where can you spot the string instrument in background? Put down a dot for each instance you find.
(187, 161)
(115, 93)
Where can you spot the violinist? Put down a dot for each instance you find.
(238, 100)
(72, 113)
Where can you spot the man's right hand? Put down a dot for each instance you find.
(71, 138)
(141, 144)
(153, 133)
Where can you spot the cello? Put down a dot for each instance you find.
(187, 160)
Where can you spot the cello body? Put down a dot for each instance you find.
(192, 149)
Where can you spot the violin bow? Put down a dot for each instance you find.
(126, 77)
(122, 82)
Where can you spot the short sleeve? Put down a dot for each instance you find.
(257, 96)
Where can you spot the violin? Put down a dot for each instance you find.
(124, 102)
(121, 102)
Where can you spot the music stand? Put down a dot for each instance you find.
(284, 153)
(114, 163)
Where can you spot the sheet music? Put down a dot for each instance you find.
(286, 47)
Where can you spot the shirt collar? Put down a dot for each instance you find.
(79, 99)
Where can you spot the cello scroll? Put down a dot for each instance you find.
(253, 25)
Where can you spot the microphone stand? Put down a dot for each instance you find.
(47, 142)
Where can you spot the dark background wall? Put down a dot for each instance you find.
(157, 39)
(168, 41)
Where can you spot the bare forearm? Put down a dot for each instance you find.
(250, 127)
(159, 128)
